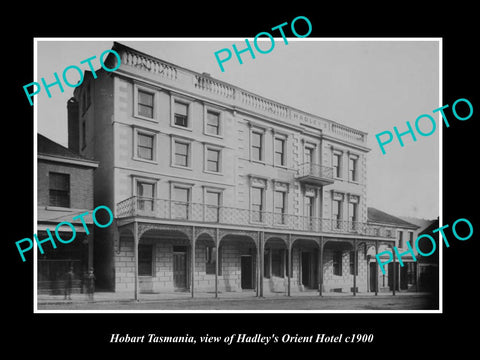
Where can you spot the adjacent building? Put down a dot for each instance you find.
(404, 277)
(428, 271)
(64, 190)
(217, 189)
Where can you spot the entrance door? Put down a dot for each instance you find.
(246, 272)
(373, 276)
(306, 269)
(180, 270)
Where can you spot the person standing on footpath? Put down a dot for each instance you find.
(90, 284)
(68, 283)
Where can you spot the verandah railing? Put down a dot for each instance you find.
(200, 212)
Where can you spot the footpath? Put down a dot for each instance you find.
(112, 297)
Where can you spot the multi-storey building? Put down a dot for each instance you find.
(217, 189)
(64, 190)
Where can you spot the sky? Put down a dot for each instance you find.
(369, 85)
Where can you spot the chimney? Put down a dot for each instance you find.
(73, 125)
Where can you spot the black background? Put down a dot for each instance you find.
(57, 335)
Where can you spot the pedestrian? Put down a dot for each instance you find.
(90, 284)
(68, 283)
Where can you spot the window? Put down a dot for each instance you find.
(309, 206)
(352, 263)
(337, 164)
(210, 259)
(337, 263)
(145, 104)
(410, 238)
(59, 189)
(309, 212)
(257, 146)
(337, 213)
(145, 260)
(257, 204)
(213, 160)
(212, 202)
(145, 195)
(181, 114)
(181, 154)
(181, 203)
(279, 207)
(145, 146)
(352, 215)
(352, 169)
(279, 154)
(401, 245)
(213, 123)
(309, 155)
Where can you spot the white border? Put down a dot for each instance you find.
(93, 39)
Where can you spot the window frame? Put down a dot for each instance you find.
(339, 173)
(217, 191)
(339, 218)
(209, 109)
(151, 91)
(68, 191)
(136, 133)
(262, 204)
(261, 132)
(283, 214)
(401, 240)
(153, 182)
(173, 163)
(208, 148)
(353, 174)
(311, 149)
(181, 100)
(173, 201)
(283, 139)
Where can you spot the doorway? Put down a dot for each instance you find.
(307, 269)
(373, 276)
(179, 267)
(246, 267)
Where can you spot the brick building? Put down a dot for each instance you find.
(64, 190)
(217, 189)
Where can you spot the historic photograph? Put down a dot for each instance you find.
(211, 175)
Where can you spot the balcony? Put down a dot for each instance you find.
(176, 211)
(315, 174)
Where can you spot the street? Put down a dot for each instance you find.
(383, 302)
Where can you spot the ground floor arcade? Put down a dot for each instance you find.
(157, 258)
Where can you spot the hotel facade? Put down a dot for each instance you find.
(216, 189)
